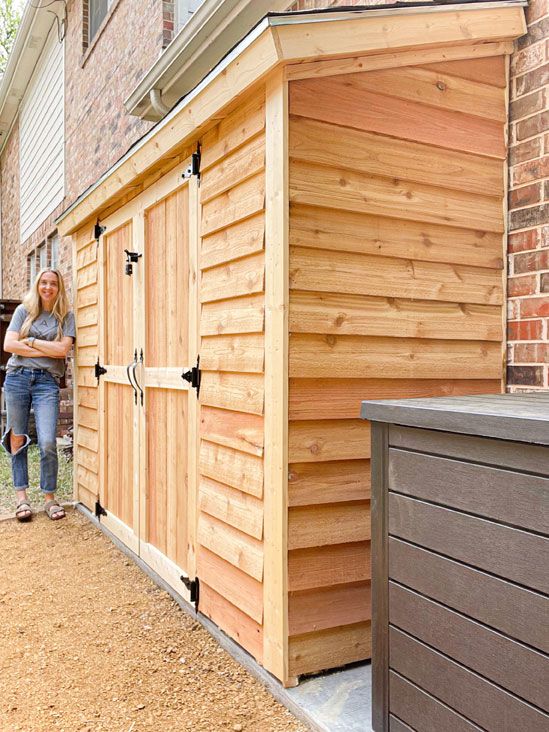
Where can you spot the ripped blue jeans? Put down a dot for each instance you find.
(24, 388)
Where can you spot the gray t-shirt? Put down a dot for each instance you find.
(44, 328)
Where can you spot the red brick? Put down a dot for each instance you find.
(531, 261)
(536, 9)
(528, 59)
(530, 171)
(526, 285)
(525, 196)
(534, 79)
(525, 218)
(525, 151)
(527, 105)
(525, 330)
(513, 309)
(523, 241)
(536, 32)
(534, 307)
(525, 375)
(531, 353)
(535, 125)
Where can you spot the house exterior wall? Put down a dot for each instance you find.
(528, 284)
(12, 259)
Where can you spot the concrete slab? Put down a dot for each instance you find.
(339, 701)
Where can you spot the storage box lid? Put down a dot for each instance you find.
(520, 417)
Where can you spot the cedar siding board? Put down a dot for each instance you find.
(395, 287)
(460, 558)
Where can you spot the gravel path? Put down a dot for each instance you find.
(89, 643)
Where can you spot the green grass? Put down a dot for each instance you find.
(7, 495)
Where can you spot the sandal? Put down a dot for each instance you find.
(54, 511)
(23, 511)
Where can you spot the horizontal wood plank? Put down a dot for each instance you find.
(328, 482)
(506, 552)
(503, 495)
(338, 523)
(241, 353)
(341, 398)
(462, 690)
(480, 649)
(238, 166)
(235, 586)
(238, 469)
(342, 100)
(227, 317)
(312, 312)
(233, 507)
(317, 356)
(316, 227)
(236, 204)
(312, 652)
(233, 279)
(326, 566)
(329, 607)
(349, 190)
(232, 429)
(239, 392)
(515, 611)
(237, 548)
(243, 238)
(332, 145)
(484, 70)
(344, 439)
(236, 624)
(323, 271)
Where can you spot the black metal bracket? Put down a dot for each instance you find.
(99, 510)
(194, 588)
(98, 230)
(194, 167)
(99, 370)
(131, 259)
(193, 376)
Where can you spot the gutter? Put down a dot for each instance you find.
(212, 31)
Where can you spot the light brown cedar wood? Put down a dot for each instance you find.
(242, 353)
(236, 204)
(241, 277)
(236, 167)
(239, 240)
(327, 566)
(233, 429)
(329, 607)
(232, 506)
(311, 652)
(234, 546)
(336, 439)
(237, 469)
(485, 70)
(239, 315)
(239, 392)
(338, 523)
(328, 482)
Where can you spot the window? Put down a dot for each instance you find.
(46, 254)
(183, 11)
(54, 250)
(42, 256)
(97, 10)
(31, 267)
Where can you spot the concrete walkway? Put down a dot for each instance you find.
(339, 701)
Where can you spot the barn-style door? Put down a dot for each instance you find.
(150, 413)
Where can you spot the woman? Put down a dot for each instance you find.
(39, 338)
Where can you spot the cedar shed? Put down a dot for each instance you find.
(320, 221)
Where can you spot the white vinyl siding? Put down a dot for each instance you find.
(183, 11)
(41, 132)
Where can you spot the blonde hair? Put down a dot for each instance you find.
(33, 304)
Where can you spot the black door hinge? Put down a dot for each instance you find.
(194, 588)
(99, 370)
(99, 510)
(98, 230)
(194, 167)
(193, 376)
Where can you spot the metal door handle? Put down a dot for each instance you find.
(134, 376)
(128, 368)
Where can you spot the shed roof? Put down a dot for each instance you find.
(390, 33)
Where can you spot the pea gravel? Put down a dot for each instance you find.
(89, 643)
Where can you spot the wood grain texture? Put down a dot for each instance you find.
(238, 469)
(312, 652)
(350, 190)
(504, 661)
(239, 392)
(347, 231)
(373, 154)
(327, 566)
(509, 553)
(486, 70)
(312, 312)
(328, 607)
(331, 482)
(340, 398)
(513, 498)
(324, 440)
(513, 610)
(239, 353)
(236, 167)
(234, 622)
(364, 274)
(342, 100)
(232, 429)
(317, 356)
(237, 548)
(234, 279)
(239, 240)
(234, 507)
(240, 315)
(238, 203)
(313, 526)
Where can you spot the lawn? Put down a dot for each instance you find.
(7, 496)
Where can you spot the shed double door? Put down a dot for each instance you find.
(148, 411)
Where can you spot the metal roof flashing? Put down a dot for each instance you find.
(269, 24)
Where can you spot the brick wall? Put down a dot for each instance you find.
(528, 285)
(13, 261)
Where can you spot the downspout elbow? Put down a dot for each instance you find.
(155, 95)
